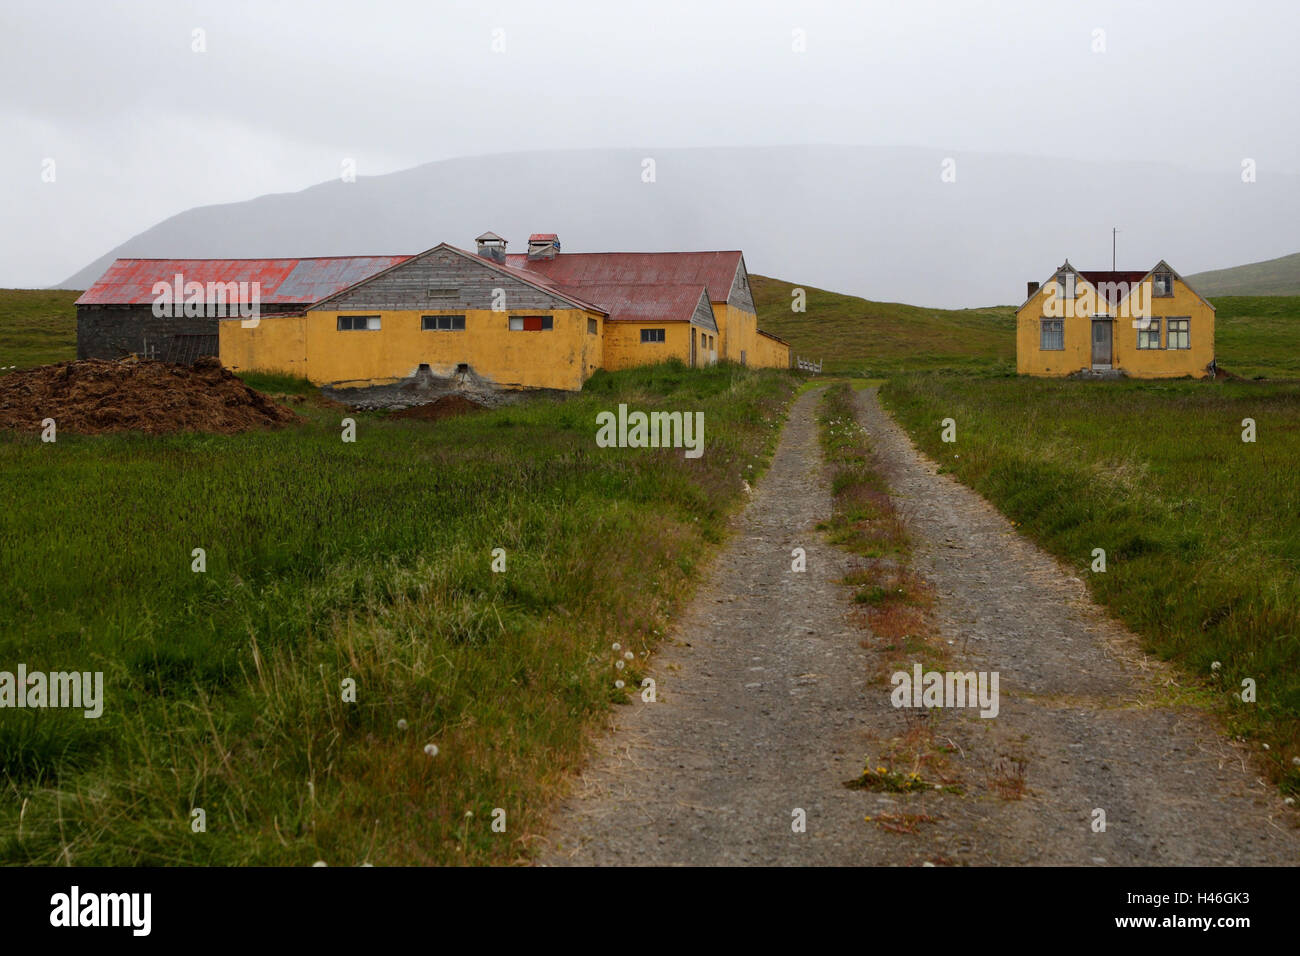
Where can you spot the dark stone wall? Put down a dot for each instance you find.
(114, 332)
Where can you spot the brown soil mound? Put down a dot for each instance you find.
(445, 407)
(93, 396)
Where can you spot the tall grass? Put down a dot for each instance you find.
(329, 562)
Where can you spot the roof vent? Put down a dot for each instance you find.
(543, 245)
(1033, 288)
(491, 246)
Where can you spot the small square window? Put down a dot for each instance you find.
(1163, 285)
(516, 323)
(649, 336)
(593, 326)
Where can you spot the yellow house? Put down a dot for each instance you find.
(541, 320)
(1141, 324)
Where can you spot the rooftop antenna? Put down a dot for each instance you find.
(1113, 231)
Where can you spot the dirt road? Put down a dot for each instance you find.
(766, 706)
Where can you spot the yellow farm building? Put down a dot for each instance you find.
(1142, 324)
(540, 319)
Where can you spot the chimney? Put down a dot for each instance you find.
(543, 245)
(491, 246)
(1033, 287)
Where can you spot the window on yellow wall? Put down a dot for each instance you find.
(358, 323)
(531, 323)
(1149, 333)
(593, 326)
(1162, 285)
(1051, 336)
(1178, 334)
(442, 323)
(652, 335)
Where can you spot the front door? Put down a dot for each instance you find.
(1101, 334)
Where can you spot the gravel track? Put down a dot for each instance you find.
(766, 705)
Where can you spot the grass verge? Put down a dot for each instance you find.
(348, 621)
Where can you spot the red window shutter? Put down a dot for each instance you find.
(532, 323)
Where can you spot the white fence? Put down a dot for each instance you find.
(808, 365)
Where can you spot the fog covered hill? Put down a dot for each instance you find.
(1279, 276)
(879, 222)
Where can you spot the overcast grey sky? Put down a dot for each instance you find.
(140, 126)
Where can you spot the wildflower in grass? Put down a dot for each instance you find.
(1296, 761)
(628, 655)
(431, 749)
(618, 665)
(1215, 666)
(617, 647)
(401, 724)
(320, 863)
(618, 684)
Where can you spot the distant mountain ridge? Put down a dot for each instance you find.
(1279, 276)
(878, 222)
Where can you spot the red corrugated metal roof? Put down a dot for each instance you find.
(577, 270)
(280, 281)
(531, 278)
(543, 237)
(646, 303)
(626, 286)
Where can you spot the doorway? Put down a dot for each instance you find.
(1102, 355)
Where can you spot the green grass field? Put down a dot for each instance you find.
(37, 327)
(871, 339)
(328, 562)
(1258, 336)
